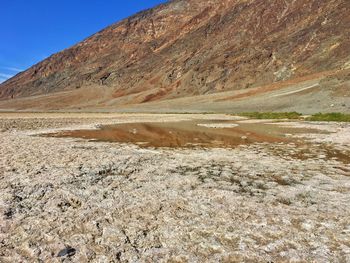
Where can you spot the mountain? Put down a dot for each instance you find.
(201, 55)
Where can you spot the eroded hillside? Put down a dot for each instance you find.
(189, 48)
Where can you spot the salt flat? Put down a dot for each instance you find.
(119, 202)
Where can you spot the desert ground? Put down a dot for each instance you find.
(76, 200)
(309, 95)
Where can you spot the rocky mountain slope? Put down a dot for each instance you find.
(188, 48)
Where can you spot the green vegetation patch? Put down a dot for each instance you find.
(272, 115)
(334, 116)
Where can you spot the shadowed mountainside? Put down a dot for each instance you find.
(189, 48)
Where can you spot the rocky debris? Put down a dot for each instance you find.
(113, 202)
(67, 252)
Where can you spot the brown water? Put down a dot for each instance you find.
(188, 134)
(185, 134)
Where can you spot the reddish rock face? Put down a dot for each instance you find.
(192, 47)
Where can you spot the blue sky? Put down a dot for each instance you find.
(32, 30)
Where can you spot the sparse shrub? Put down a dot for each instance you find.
(334, 116)
(271, 115)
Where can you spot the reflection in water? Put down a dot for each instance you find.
(214, 134)
(182, 134)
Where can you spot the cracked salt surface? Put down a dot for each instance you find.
(107, 201)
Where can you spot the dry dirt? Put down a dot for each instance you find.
(110, 202)
(319, 94)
